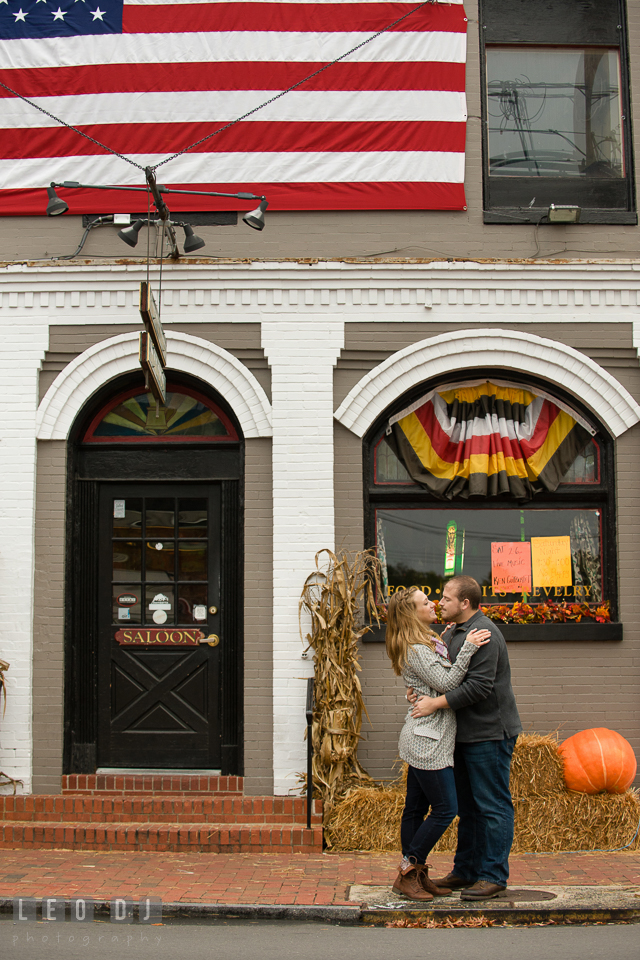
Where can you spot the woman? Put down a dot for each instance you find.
(426, 743)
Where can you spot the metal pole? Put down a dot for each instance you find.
(309, 713)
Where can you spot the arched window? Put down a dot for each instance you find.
(134, 417)
(498, 480)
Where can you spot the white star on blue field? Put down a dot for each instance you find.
(33, 19)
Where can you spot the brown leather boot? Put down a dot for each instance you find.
(452, 882)
(408, 883)
(429, 885)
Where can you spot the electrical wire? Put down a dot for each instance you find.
(94, 223)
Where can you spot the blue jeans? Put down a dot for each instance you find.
(427, 790)
(485, 831)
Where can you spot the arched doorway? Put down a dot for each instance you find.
(153, 633)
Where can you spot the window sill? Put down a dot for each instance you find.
(534, 632)
(589, 215)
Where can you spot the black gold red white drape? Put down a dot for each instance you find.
(484, 439)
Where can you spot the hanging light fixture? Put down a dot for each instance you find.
(255, 218)
(55, 206)
(130, 234)
(191, 241)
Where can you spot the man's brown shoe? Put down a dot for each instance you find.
(482, 890)
(451, 882)
(430, 885)
(408, 883)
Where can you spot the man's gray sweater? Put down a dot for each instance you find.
(484, 702)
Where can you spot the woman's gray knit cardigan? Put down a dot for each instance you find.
(428, 742)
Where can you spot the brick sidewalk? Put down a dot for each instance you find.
(321, 879)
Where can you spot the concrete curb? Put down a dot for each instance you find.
(181, 910)
(513, 915)
(356, 914)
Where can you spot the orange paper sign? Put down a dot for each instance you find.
(551, 561)
(511, 567)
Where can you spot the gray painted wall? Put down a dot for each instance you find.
(564, 686)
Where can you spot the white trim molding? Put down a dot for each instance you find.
(466, 350)
(118, 355)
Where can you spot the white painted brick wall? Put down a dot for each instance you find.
(302, 355)
(24, 341)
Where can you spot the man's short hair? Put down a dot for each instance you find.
(466, 588)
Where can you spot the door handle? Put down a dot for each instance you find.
(213, 640)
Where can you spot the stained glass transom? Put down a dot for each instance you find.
(183, 416)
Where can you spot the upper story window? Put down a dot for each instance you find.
(556, 108)
(133, 416)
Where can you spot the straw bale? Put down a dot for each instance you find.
(536, 766)
(576, 821)
(548, 817)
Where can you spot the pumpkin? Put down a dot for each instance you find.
(598, 760)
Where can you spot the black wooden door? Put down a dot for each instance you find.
(159, 705)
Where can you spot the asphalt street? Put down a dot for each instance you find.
(277, 940)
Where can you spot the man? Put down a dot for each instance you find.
(488, 726)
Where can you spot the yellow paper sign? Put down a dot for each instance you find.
(511, 567)
(551, 561)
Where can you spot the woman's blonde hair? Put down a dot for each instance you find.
(404, 628)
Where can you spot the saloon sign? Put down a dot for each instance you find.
(159, 638)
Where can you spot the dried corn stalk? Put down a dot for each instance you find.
(4, 666)
(336, 594)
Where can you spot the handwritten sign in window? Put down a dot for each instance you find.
(551, 561)
(511, 567)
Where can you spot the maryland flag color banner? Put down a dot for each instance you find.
(486, 439)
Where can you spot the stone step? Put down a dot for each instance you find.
(151, 783)
(157, 809)
(162, 837)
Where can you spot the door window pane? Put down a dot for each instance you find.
(127, 517)
(159, 516)
(159, 559)
(191, 596)
(425, 547)
(127, 560)
(192, 560)
(554, 112)
(159, 604)
(192, 518)
(126, 604)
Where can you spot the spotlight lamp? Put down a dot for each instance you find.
(563, 213)
(255, 218)
(130, 234)
(191, 241)
(55, 206)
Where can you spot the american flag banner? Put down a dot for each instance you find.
(383, 129)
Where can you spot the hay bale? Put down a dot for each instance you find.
(367, 819)
(548, 817)
(536, 766)
(576, 821)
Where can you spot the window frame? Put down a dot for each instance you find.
(599, 495)
(505, 199)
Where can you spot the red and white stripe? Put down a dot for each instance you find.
(384, 129)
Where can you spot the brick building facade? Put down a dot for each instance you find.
(308, 335)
